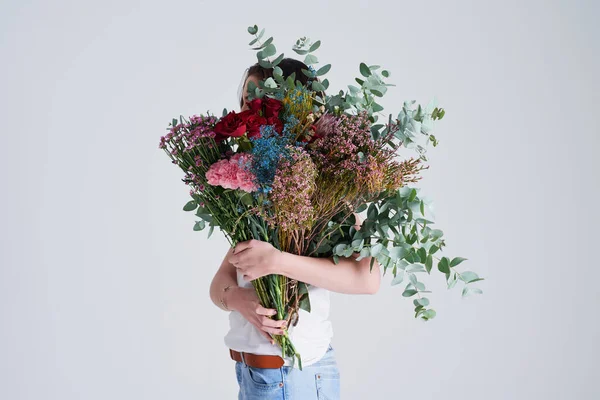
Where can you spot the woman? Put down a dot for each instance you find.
(261, 372)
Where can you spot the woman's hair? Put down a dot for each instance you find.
(287, 65)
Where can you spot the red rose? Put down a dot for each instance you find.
(277, 122)
(253, 124)
(255, 105)
(231, 125)
(272, 107)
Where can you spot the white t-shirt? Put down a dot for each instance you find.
(311, 336)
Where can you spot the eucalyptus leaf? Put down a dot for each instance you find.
(277, 60)
(415, 267)
(323, 70)
(270, 83)
(429, 263)
(412, 278)
(339, 249)
(199, 225)
(413, 194)
(364, 70)
(397, 252)
(456, 260)
(377, 107)
(268, 51)
(452, 280)
(190, 206)
(376, 249)
(398, 279)
(423, 301)
(310, 59)
(317, 85)
(468, 276)
(422, 253)
(265, 43)
(443, 265)
(265, 64)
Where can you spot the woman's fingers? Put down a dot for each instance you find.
(274, 331)
(265, 334)
(260, 310)
(266, 321)
(267, 325)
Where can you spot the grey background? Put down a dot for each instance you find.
(104, 285)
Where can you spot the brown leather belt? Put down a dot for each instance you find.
(257, 361)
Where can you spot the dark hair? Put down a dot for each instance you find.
(288, 67)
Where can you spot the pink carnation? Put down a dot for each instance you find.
(232, 173)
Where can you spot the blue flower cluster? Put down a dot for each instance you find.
(266, 151)
(290, 121)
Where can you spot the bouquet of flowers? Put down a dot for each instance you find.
(296, 166)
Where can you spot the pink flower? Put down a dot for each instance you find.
(232, 173)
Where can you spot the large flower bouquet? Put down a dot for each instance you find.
(296, 166)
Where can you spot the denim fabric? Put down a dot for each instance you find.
(318, 381)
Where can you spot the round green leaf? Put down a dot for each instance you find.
(456, 260)
(268, 51)
(423, 301)
(443, 265)
(364, 70)
(468, 276)
(315, 46)
(190, 206)
(398, 279)
(199, 225)
(310, 59)
(323, 70)
(376, 249)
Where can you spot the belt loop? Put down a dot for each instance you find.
(243, 358)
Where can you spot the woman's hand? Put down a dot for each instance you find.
(255, 258)
(246, 302)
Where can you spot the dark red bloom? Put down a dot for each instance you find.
(231, 125)
(256, 105)
(272, 107)
(253, 124)
(274, 120)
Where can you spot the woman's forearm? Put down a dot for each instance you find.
(348, 276)
(224, 277)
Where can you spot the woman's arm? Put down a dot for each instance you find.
(348, 276)
(224, 277)
(243, 300)
(255, 258)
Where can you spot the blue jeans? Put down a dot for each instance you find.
(319, 381)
